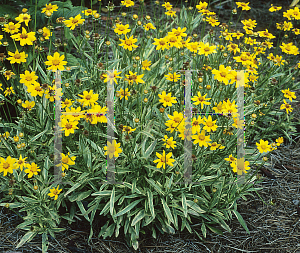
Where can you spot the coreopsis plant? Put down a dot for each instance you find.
(117, 105)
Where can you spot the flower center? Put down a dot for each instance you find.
(5, 165)
(65, 160)
(23, 36)
(55, 62)
(128, 42)
(223, 74)
(17, 56)
(11, 27)
(201, 137)
(88, 97)
(20, 162)
(68, 126)
(209, 124)
(201, 99)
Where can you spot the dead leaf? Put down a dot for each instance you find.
(268, 173)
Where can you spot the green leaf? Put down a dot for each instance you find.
(26, 238)
(74, 187)
(83, 211)
(155, 186)
(150, 149)
(112, 201)
(38, 136)
(167, 211)
(215, 230)
(128, 208)
(10, 10)
(194, 206)
(150, 201)
(44, 242)
(241, 220)
(140, 215)
(203, 229)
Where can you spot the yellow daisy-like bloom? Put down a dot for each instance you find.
(170, 13)
(206, 49)
(35, 90)
(201, 139)
(266, 34)
(223, 74)
(168, 142)
(214, 146)
(263, 146)
(244, 6)
(174, 41)
(73, 22)
(167, 100)
(202, 6)
(178, 32)
(288, 94)
(237, 166)
(127, 3)
(88, 98)
(66, 161)
(161, 43)
(21, 163)
(96, 114)
(9, 91)
(32, 170)
(11, 27)
(8, 74)
(167, 5)
(149, 26)
(128, 129)
(196, 124)
(24, 37)
(233, 48)
(288, 14)
(111, 76)
(122, 29)
(173, 77)
(89, 12)
(275, 8)
(296, 31)
(289, 48)
(218, 108)
(164, 159)
(113, 149)
(237, 35)
(7, 165)
(17, 57)
(123, 93)
(134, 78)
(146, 64)
(56, 62)
(230, 159)
(28, 78)
(54, 192)
(46, 33)
(279, 141)
(212, 21)
(209, 124)
(201, 100)
(185, 132)
(50, 8)
(249, 24)
(73, 114)
(286, 106)
(23, 17)
(230, 108)
(28, 105)
(69, 125)
(175, 118)
(67, 103)
(128, 43)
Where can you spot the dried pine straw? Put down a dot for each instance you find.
(273, 228)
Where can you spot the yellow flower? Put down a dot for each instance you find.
(46, 33)
(214, 146)
(164, 159)
(23, 17)
(28, 105)
(167, 100)
(233, 48)
(24, 37)
(167, 5)
(202, 6)
(122, 29)
(279, 141)
(11, 27)
(69, 125)
(249, 24)
(56, 62)
(201, 139)
(17, 57)
(54, 192)
(174, 41)
(123, 93)
(113, 149)
(230, 158)
(288, 94)
(244, 6)
(238, 166)
(49, 7)
(275, 8)
(146, 64)
(89, 12)
(212, 21)
(32, 170)
(263, 146)
(28, 78)
(289, 48)
(21, 163)
(170, 13)
(206, 49)
(223, 74)
(7, 165)
(111, 76)
(178, 32)
(210, 125)
(128, 129)
(286, 106)
(196, 124)
(66, 161)
(134, 78)
(128, 43)
(287, 26)
(127, 3)
(73, 22)
(9, 91)
(35, 90)
(149, 26)
(172, 77)
(161, 43)
(67, 103)
(88, 98)
(201, 100)
(8, 74)
(231, 108)
(168, 142)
